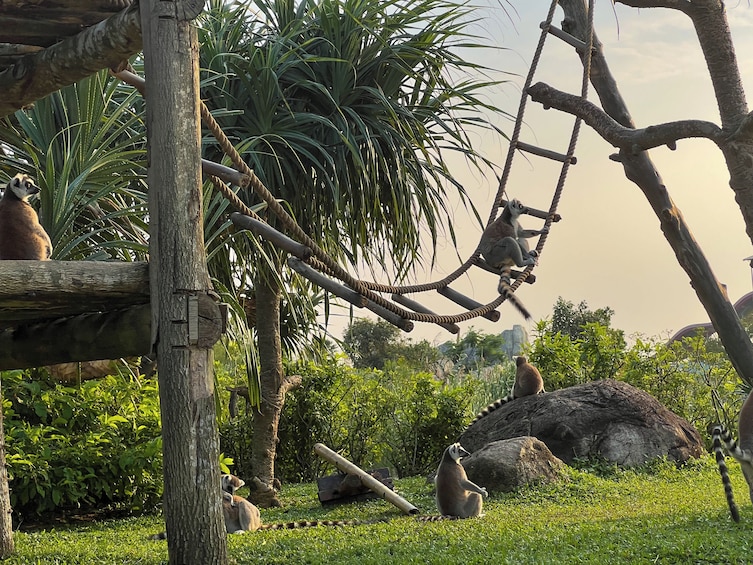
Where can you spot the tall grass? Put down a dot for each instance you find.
(655, 515)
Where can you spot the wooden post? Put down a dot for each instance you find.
(179, 282)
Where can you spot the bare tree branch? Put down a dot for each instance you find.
(682, 5)
(100, 46)
(628, 139)
(712, 29)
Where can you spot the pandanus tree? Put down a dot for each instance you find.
(346, 110)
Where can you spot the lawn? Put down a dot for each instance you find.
(656, 515)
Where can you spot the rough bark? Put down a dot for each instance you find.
(639, 168)
(7, 545)
(267, 418)
(38, 290)
(179, 280)
(98, 47)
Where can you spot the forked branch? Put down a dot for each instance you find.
(628, 139)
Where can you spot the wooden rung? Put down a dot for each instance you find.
(391, 317)
(225, 174)
(530, 279)
(327, 284)
(545, 153)
(579, 45)
(543, 214)
(272, 235)
(416, 307)
(466, 302)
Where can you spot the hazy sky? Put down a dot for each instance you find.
(608, 249)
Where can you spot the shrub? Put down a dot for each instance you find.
(393, 417)
(94, 445)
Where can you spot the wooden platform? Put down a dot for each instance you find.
(61, 311)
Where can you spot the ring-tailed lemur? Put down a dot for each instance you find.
(456, 495)
(242, 516)
(528, 382)
(503, 245)
(742, 451)
(21, 234)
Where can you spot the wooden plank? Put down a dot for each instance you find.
(327, 284)
(275, 237)
(37, 290)
(352, 469)
(467, 302)
(88, 337)
(417, 307)
(98, 47)
(513, 273)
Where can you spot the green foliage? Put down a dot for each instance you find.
(421, 418)
(94, 445)
(345, 109)
(693, 378)
(657, 515)
(372, 344)
(395, 417)
(570, 320)
(582, 353)
(475, 350)
(85, 144)
(369, 344)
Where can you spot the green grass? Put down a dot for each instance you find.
(656, 515)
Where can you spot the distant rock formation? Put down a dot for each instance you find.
(514, 340)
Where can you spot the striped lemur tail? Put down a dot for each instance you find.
(492, 407)
(720, 434)
(505, 290)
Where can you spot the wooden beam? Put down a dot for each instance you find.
(98, 47)
(88, 337)
(36, 290)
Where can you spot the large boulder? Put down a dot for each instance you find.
(503, 466)
(608, 419)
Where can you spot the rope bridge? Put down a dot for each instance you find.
(309, 260)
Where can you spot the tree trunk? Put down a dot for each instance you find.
(180, 286)
(7, 545)
(640, 170)
(267, 418)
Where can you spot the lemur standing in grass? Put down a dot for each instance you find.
(741, 450)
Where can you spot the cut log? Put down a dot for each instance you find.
(32, 291)
(343, 488)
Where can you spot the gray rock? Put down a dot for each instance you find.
(609, 419)
(503, 466)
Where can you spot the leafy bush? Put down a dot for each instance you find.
(92, 445)
(393, 417)
(693, 377)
